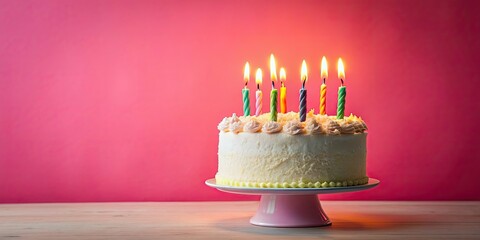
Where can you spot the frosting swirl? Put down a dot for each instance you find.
(293, 127)
(333, 127)
(313, 127)
(347, 128)
(358, 127)
(223, 125)
(364, 125)
(271, 127)
(235, 125)
(234, 118)
(252, 126)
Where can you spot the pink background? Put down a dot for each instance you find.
(119, 100)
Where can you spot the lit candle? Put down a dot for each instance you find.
(246, 91)
(283, 91)
(273, 93)
(342, 91)
(258, 93)
(303, 93)
(323, 87)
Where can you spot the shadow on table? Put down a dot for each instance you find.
(373, 223)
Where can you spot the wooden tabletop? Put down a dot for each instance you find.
(229, 220)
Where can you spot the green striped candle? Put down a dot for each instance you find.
(273, 93)
(273, 105)
(246, 101)
(342, 93)
(245, 91)
(342, 90)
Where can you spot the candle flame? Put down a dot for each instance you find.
(273, 69)
(324, 68)
(341, 70)
(246, 73)
(283, 75)
(258, 76)
(304, 72)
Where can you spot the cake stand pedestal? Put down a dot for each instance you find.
(290, 207)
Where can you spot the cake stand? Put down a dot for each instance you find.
(290, 207)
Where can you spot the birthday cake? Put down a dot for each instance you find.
(320, 152)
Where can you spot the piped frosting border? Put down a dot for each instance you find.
(300, 184)
(289, 123)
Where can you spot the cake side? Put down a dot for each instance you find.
(284, 160)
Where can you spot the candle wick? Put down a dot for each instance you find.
(323, 80)
(342, 81)
(303, 84)
(258, 86)
(273, 84)
(283, 85)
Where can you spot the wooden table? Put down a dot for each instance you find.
(229, 220)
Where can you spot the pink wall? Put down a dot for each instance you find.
(119, 100)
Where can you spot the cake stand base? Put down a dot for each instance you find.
(290, 207)
(290, 211)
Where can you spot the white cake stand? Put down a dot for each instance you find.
(290, 207)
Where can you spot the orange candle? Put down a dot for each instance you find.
(283, 91)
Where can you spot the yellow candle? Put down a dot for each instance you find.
(323, 87)
(283, 91)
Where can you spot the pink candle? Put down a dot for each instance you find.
(258, 93)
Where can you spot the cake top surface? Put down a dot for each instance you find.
(290, 123)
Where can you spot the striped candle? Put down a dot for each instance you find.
(258, 103)
(342, 91)
(273, 105)
(323, 99)
(258, 93)
(283, 91)
(303, 93)
(246, 101)
(303, 104)
(323, 87)
(273, 93)
(246, 91)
